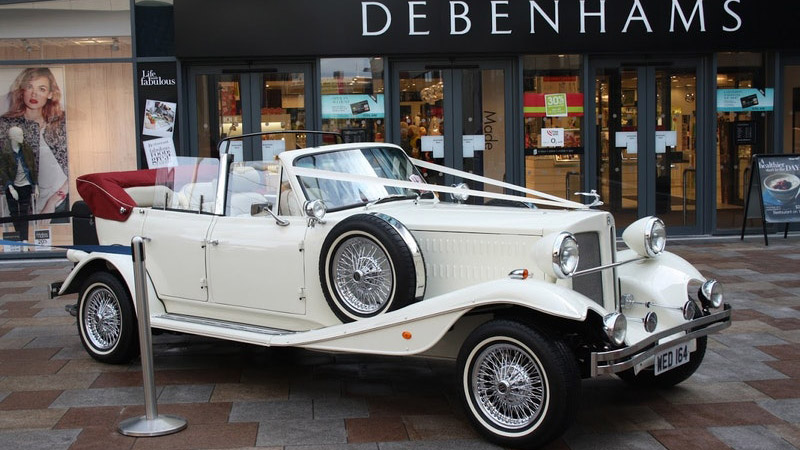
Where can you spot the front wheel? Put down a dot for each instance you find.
(106, 320)
(519, 386)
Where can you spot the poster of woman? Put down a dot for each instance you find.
(33, 101)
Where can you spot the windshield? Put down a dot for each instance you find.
(382, 162)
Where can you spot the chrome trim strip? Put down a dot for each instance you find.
(618, 360)
(223, 324)
(222, 184)
(413, 247)
(607, 266)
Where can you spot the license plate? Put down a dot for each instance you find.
(672, 358)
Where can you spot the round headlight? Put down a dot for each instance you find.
(711, 294)
(647, 236)
(615, 326)
(316, 209)
(565, 255)
(655, 236)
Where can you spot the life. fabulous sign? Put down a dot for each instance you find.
(430, 27)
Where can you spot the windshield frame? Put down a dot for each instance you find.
(368, 193)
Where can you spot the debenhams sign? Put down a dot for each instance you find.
(452, 27)
(377, 19)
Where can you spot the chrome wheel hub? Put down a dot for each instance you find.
(102, 318)
(362, 275)
(508, 386)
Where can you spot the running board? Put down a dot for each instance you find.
(222, 329)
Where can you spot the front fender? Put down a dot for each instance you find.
(663, 279)
(426, 322)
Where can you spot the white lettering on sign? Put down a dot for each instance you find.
(463, 16)
(150, 78)
(412, 19)
(376, 17)
(698, 9)
(637, 7)
(364, 26)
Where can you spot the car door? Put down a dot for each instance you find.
(175, 253)
(255, 263)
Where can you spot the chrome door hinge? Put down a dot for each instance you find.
(302, 292)
(203, 283)
(301, 246)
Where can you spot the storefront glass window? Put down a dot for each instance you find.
(791, 109)
(74, 117)
(353, 101)
(553, 110)
(743, 105)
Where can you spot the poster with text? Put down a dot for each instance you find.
(780, 183)
(160, 153)
(33, 126)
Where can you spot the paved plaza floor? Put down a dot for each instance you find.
(746, 395)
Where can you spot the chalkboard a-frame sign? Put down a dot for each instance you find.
(774, 185)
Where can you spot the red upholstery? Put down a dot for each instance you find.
(105, 192)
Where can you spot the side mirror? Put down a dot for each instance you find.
(258, 209)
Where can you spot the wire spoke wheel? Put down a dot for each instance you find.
(107, 320)
(508, 386)
(363, 275)
(520, 386)
(103, 318)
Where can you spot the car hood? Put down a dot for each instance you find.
(465, 218)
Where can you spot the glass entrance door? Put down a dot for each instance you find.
(455, 115)
(646, 128)
(234, 101)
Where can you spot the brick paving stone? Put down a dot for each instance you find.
(434, 427)
(91, 416)
(102, 438)
(296, 432)
(754, 437)
(228, 435)
(689, 439)
(789, 368)
(31, 368)
(777, 389)
(376, 429)
(30, 418)
(638, 440)
(340, 408)
(28, 400)
(717, 414)
(38, 439)
(195, 413)
(782, 352)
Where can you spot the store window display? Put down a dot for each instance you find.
(353, 101)
(553, 111)
(741, 129)
(18, 169)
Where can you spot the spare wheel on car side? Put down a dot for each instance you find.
(370, 264)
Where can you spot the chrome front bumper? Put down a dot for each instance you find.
(625, 358)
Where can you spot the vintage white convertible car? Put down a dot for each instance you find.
(345, 248)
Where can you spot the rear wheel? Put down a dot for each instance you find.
(520, 386)
(106, 320)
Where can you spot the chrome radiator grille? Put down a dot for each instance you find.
(590, 285)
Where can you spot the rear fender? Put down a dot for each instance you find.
(119, 265)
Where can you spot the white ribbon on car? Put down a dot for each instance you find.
(544, 198)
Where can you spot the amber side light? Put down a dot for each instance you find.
(406, 335)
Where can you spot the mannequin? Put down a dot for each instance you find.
(19, 176)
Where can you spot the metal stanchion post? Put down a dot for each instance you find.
(151, 424)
